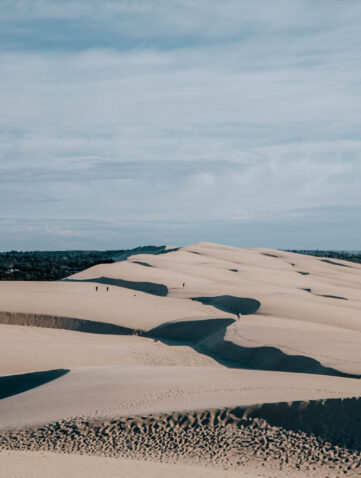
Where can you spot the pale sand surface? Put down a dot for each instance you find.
(289, 405)
(54, 465)
(31, 349)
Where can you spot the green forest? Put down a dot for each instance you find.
(56, 265)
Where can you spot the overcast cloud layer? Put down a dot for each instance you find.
(153, 121)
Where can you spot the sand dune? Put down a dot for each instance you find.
(272, 281)
(158, 366)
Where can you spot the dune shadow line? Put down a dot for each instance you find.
(332, 296)
(141, 263)
(207, 337)
(328, 261)
(14, 384)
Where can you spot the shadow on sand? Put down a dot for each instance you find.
(207, 337)
(231, 304)
(14, 384)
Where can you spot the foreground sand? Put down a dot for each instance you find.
(45, 465)
(160, 367)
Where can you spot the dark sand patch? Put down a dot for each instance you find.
(332, 296)
(189, 331)
(14, 384)
(231, 304)
(145, 264)
(326, 295)
(328, 261)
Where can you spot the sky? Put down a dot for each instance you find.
(132, 122)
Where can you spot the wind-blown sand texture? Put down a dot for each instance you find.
(205, 356)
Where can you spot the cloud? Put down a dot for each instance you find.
(179, 114)
(308, 228)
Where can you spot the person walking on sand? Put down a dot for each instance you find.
(107, 288)
(96, 288)
(238, 315)
(184, 284)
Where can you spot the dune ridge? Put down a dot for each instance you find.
(206, 336)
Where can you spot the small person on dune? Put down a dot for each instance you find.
(96, 288)
(184, 284)
(238, 315)
(107, 288)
